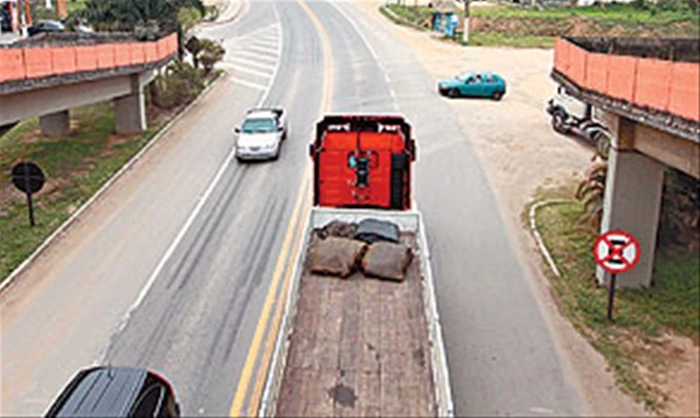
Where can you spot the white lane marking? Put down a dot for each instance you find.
(247, 83)
(171, 249)
(386, 77)
(367, 44)
(246, 70)
(357, 29)
(261, 57)
(253, 33)
(262, 49)
(268, 43)
(538, 410)
(271, 39)
(243, 61)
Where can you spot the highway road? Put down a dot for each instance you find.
(181, 265)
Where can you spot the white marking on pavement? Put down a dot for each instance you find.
(367, 44)
(243, 61)
(257, 55)
(538, 410)
(386, 77)
(261, 49)
(246, 70)
(247, 83)
(171, 249)
(357, 29)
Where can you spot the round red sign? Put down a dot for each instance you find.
(616, 251)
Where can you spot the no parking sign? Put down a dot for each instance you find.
(616, 252)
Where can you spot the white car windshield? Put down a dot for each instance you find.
(258, 126)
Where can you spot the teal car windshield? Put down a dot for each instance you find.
(258, 126)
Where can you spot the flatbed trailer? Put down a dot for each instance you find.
(360, 346)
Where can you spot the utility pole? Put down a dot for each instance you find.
(23, 7)
(465, 31)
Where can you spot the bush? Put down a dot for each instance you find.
(179, 86)
(211, 53)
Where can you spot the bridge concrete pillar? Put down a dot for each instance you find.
(633, 193)
(130, 110)
(55, 124)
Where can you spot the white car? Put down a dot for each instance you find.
(261, 134)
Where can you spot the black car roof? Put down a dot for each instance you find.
(100, 392)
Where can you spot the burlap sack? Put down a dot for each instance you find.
(335, 256)
(337, 229)
(387, 260)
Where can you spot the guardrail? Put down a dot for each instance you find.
(31, 62)
(664, 85)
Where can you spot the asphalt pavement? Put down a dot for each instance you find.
(172, 269)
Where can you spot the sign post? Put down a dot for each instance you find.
(27, 177)
(616, 252)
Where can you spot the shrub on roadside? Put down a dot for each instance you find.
(180, 84)
(211, 52)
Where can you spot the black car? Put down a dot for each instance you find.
(116, 392)
(45, 26)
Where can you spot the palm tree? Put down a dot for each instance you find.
(591, 190)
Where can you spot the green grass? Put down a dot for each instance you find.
(75, 167)
(76, 5)
(642, 317)
(500, 39)
(515, 26)
(626, 13)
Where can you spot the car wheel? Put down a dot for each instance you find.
(277, 154)
(558, 123)
(497, 95)
(453, 93)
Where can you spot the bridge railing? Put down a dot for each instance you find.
(660, 84)
(32, 62)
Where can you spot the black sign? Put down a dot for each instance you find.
(28, 177)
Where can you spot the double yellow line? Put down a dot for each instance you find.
(286, 258)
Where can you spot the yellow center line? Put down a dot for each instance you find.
(251, 358)
(254, 350)
(254, 403)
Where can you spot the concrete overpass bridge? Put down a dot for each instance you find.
(48, 75)
(648, 93)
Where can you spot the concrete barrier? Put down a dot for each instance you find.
(653, 83)
(27, 62)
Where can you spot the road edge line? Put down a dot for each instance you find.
(538, 237)
(116, 176)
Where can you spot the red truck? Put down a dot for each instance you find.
(361, 346)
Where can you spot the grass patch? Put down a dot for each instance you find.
(76, 5)
(75, 166)
(515, 26)
(623, 13)
(501, 39)
(634, 344)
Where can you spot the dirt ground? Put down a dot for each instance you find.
(521, 153)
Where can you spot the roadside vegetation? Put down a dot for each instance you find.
(77, 165)
(638, 344)
(504, 24)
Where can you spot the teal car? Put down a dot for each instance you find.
(474, 84)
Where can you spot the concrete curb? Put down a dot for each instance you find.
(48, 241)
(538, 237)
